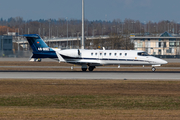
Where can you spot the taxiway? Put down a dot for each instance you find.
(98, 75)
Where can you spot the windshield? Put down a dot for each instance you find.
(143, 54)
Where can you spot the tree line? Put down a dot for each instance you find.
(119, 30)
(61, 27)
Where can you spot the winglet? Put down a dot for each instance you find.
(60, 57)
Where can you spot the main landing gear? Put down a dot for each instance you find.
(91, 68)
(84, 68)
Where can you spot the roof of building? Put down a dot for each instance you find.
(166, 34)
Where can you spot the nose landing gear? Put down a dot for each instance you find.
(153, 69)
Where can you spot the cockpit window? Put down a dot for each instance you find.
(143, 54)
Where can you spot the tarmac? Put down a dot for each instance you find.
(27, 59)
(97, 75)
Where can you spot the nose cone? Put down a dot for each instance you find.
(163, 61)
(158, 61)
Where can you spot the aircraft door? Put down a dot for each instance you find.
(100, 55)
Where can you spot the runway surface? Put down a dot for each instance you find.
(108, 75)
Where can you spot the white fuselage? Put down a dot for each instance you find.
(108, 57)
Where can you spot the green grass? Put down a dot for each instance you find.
(89, 99)
(95, 102)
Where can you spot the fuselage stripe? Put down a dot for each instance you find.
(79, 58)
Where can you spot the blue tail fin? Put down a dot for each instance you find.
(39, 47)
(36, 42)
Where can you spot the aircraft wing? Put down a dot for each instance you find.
(76, 60)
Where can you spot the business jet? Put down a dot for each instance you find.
(89, 59)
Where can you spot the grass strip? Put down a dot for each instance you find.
(94, 102)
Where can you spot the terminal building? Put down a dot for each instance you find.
(165, 45)
(6, 45)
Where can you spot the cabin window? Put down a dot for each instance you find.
(120, 54)
(115, 54)
(109, 54)
(125, 54)
(91, 54)
(100, 54)
(104, 54)
(96, 54)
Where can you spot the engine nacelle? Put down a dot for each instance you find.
(71, 53)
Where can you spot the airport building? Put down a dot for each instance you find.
(165, 45)
(6, 45)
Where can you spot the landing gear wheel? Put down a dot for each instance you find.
(91, 68)
(153, 69)
(39, 59)
(84, 69)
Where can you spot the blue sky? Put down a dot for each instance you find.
(143, 10)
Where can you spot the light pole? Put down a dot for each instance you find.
(2, 44)
(117, 30)
(82, 44)
(122, 28)
(22, 31)
(93, 29)
(67, 32)
(49, 29)
(132, 26)
(25, 28)
(145, 26)
(7, 30)
(40, 30)
(43, 32)
(140, 27)
(148, 25)
(23, 39)
(112, 28)
(18, 39)
(87, 29)
(51, 32)
(176, 28)
(157, 28)
(57, 31)
(103, 31)
(73, 38)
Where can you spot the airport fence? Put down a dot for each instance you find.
(15, 54)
